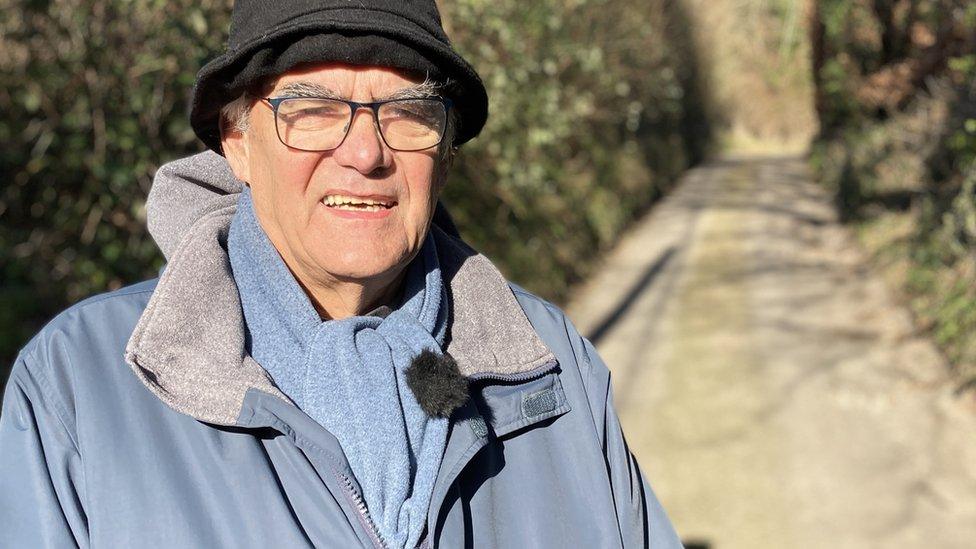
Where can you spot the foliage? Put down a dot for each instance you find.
(592, 115)
(897, 103)
(93, 96)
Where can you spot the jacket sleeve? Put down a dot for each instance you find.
(642, 520)
(40, 469)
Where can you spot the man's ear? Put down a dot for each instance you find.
(235, 147)
(443, 169)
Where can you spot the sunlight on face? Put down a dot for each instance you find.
(302, 199)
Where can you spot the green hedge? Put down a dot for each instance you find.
(593, 114)
(897, 104)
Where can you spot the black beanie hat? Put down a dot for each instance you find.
(269, 37)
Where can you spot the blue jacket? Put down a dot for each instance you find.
(135, 419)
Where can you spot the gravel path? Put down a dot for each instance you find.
(771, 388)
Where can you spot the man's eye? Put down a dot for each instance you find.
(313, 114)
(320, 111)
(412, 112)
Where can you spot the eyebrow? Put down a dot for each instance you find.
(426, 88)
(307, 89)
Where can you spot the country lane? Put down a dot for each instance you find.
(772, 388)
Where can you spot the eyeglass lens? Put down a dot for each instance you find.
(317, 124)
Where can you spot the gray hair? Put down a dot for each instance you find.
(235, 115)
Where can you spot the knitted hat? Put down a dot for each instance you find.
(269, 37)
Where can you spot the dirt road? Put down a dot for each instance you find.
(772, 390)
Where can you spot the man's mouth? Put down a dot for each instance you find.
(357, 203)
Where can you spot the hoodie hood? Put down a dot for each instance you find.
(188, 347)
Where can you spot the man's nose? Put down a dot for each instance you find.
(363, 148)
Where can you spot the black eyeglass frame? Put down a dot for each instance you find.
(275, 102)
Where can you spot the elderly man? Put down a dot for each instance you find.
(322, 362)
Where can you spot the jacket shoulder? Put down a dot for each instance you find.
(100, 313)
(542, 313)
(558, 332)
(79, 345)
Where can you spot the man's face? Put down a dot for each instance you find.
(292, 189)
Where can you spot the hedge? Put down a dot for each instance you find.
(897, 104)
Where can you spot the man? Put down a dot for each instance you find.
(319, 365)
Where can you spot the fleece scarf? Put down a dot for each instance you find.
(350, 374)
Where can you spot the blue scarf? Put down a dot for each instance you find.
(348, 374)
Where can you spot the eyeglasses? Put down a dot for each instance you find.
(318, 124)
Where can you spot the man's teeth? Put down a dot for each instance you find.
(355, 203)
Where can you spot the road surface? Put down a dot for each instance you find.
(774, 392)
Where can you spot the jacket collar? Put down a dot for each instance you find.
(188, 346)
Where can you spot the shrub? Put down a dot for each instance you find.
(897, 89)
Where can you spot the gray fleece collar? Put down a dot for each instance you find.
(188, 347)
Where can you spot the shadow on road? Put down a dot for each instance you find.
(628, 300)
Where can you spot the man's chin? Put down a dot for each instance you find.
(364, 268)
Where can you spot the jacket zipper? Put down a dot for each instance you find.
(360, 504)
(524, 376)
(357, 499)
